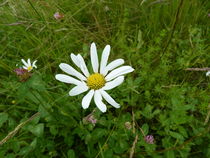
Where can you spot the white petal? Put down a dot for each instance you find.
(83, 66)
(118, 72)
(71, 71)
(75, 60)
(24, 62)
(25, 67)
(78, 89)
(104, 58)
(208, 73)
(79, 61)
(67, 79)
(114, 83)
(29, 62)
(94, 57)
(98, 101)
(112, 65)
(87, 98)
(33, 64)
(109, 99)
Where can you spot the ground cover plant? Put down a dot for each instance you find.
(164, 103)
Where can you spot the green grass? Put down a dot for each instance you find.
(160, 40)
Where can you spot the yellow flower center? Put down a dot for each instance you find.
(29, 68)
(96, 81)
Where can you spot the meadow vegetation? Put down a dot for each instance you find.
(158, 38)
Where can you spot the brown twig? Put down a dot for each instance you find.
(158, 1)
(133, 146)
(198, 69)
(136, 138)
(133, 124)
(170, 86)
(142, 131)
(208, 115)
(12, 133)
(16, 23)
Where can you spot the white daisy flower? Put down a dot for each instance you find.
(107, 77)
(208, 73)
(28, 66)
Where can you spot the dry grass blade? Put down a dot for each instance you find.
(12, 133)
(198, 69)
(208, 115)
(136, 138)
(133, 146)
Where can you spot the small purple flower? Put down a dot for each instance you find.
(91, 119)
(208, 14)
(22, 74)
(58, 16)
(20, 71)
(149, 139)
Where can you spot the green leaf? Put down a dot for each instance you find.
(108, 153)
(37, 129)
(71, 153)
(15, 145)
(121, 146)
(43, 111)
(145, 128)
(10, 155)
(140, 40)
(98, 133)
(53, 130)
(25, 150)
(157, 111)
(69, 140)
(176, 135)
(147, 112)
(3, 118)
(183, 131)
(170, 154)
(33, 143)
(36, 83)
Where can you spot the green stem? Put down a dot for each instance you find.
(173, 26)
(36, 11)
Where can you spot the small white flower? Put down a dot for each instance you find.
(98, 82)
(208, 73)
(28, 66)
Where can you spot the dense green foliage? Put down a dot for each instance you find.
(159, 39)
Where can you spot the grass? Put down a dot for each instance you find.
(160, 39)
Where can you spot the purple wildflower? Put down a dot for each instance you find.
(58, 16)
(149, 139)
(22, 74)
(20, 71)
(91, 119)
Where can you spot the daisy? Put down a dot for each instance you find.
(28, 66)
(104, 77)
